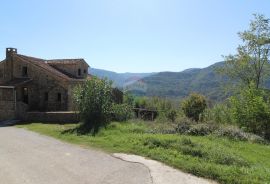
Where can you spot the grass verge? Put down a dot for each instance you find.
(220, 159)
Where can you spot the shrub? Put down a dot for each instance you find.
(251, 111)
(171, 115)
(188, 127)
(94, 101)
(129, 99)
(202, 129)
(122, 112)
(220, 113)
(233, 132)
(193, 106)
(183, 126)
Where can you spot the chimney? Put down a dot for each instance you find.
(10, 52)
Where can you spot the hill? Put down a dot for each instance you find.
(172, 84)
(119, 79)
(179, 84)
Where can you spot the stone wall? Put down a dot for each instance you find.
(42, 82)
(73, 69)
(52, 117)
(7, 104)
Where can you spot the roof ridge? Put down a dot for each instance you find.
(65, 59)
(46, 66)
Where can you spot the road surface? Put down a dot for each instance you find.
(29, 158)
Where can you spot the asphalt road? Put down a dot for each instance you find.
(29, 158)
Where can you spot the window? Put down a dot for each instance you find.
(24, 71)
(79, 72)
(46, 96)
(84, 71)
(59, 97)
(25, 95)
(1, 73)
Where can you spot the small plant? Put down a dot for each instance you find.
(194, 105)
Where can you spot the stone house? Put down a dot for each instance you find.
(33, 84)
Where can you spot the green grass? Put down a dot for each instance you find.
(220, 159)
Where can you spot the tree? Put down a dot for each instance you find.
(94, 101)
(194, 105)
(249, 64)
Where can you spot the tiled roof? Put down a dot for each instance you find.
(43, 64)
(65, 61)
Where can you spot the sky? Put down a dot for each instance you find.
(128, 35)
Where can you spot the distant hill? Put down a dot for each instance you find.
(179, 84)
(119, 79)
(173, 84)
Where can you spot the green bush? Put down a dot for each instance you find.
(193, 106)
(171, 115)
(129, 99)
(202, 129)
(183, 125)
(234, 133)
(189, 127)
(251, 111)
(94, 101)
(122, 112)
(220, 113)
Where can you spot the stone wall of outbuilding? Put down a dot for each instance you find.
(52, 117)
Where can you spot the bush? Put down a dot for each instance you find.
(193, 106)
(251, 111)
(94, 101)
(202, 129)
(188, 127)
(183, 126)
(220, 113)
(129, 99)
(233, 132)
(171, 115)
(122, 112)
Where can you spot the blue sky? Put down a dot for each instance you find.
(128, 35)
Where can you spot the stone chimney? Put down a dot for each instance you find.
(10, 52)
(9, 63)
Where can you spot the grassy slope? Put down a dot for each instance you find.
(220, 159)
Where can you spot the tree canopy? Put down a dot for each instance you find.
(251, 62)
